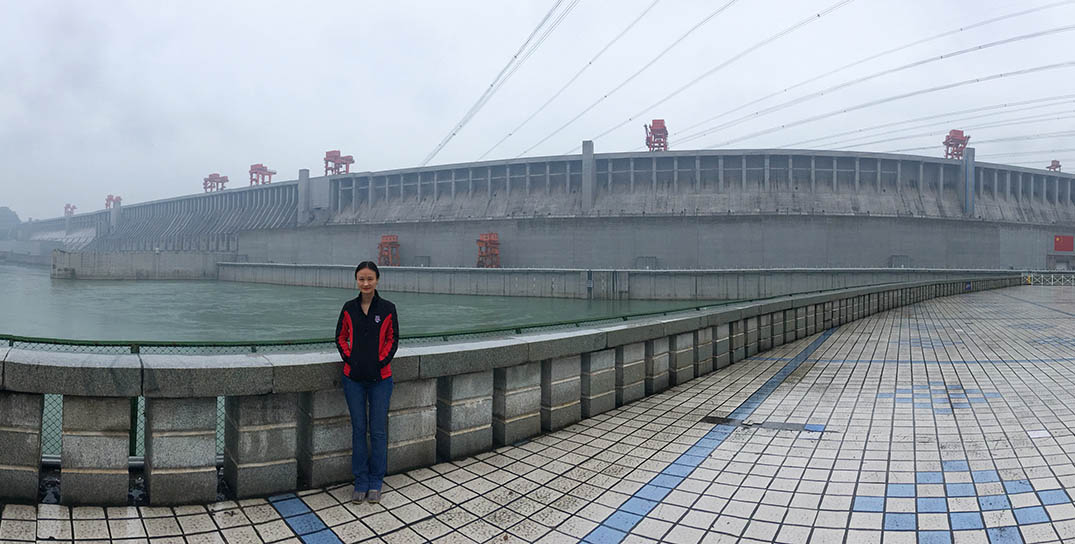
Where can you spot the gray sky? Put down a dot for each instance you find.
(144, 99)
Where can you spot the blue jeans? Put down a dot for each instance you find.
(368, 465)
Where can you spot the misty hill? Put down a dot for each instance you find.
(8, 221)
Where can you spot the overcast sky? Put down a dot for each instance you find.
(144, 99)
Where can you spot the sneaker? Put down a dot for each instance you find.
(374, 496)
(358, 496)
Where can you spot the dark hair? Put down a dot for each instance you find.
(368, 264)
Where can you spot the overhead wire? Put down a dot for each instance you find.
(841, 86)
(724, 64)
(877, 56)
(883, 126)
(630, 78)
(893, 98)
(496, 83)
(1025, 137)
(1010, 122)
(572, 79)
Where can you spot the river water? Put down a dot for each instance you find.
(33, 304)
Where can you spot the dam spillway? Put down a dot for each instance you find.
(674, 209)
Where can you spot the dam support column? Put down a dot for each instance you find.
(967, 188)
(304, 196)
(20, 430)
(589, 175)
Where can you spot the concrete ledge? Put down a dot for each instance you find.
(464, 414)
(560, 392)
(181, 450)
(703, 351)
(80, 374)
(656, 365)
(468, 357)
(206, 376)
(516, 403)
(630, 373)
(300, 372)
(412, 425)
(598, 382)
(681, 358)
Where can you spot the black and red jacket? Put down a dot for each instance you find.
(367, 342)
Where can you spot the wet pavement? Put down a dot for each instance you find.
(950, 421)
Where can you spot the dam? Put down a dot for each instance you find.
(763, 208)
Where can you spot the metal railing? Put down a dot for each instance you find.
(1049, 277)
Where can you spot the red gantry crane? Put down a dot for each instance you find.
(488, 250)
(69, 210)
(388, 250)
(657, 135)
(336, 163)
(955, 143)
(113, 201)
(260, 174)
(215, 182)
(1055, 166)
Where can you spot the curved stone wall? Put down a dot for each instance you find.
(287, 425)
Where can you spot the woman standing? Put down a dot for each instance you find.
(367, 335)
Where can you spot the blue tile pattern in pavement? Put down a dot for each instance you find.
(657, 489)
(303, 521)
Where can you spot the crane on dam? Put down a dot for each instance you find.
(215, 182)
(69, 210)
(1054, 166)
(488, 250)
(338, 164)
(657, 135)
(388, 250)
(955, 143)
(260, 174)
(113, 201)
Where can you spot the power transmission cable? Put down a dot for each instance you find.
(875, 75)
(572, 80)
(1058, 99)
(491, 89)
(1011, 122)
(1017, 153)
(724, 64)
(872, 103)
(544, 36)
(877, 56)
(1026, 137)
(632, 76)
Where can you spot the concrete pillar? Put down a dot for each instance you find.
(516, 403)
(776, 323)
(791, 172)
(630, 373)
(789, 326)
(598, 382)
(681, 358)
(738, 341)
(470, 182)
(826, 313)
(324, 438)
(940, 181)
(765, 177)
(96, 442)
(526, 185)
(751, 338)
(489, 180)
(899, 176)
(548, 179)
(653, 174)
(703, 351)
(722, 355)
(720, 173)
(743, 171)
(354, 195)
(20, 434)
(800, 322)
(765, 332)
(113, 216)
(1007, 184)
(813, 174)
(260, 444)
(858, 174)
(921, 176)
(697, 173)
(589, 175)
(811, 319)
(180, 437)
(631, 173)
(412, 425)
(67, 224)
(968, 187)
(675, 174)
(656, 365)
(561, 392)
(464, 414)
(878, 174)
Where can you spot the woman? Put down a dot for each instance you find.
(367, 335)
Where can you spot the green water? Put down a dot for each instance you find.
(33, 304)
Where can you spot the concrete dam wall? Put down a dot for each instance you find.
(677, 209)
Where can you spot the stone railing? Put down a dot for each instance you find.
(287, 424)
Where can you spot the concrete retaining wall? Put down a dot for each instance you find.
(285, 425)
(593, 284)
(138, 265)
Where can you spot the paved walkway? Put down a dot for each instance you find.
(947, 421)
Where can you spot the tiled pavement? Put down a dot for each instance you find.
(947, 421)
